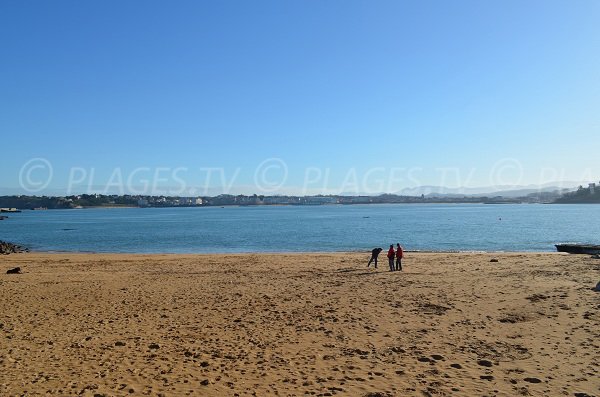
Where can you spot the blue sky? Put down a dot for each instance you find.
(413, 91)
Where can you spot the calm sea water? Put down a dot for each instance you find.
(319, 228)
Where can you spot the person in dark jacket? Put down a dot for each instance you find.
(374, 254)
(391, 254)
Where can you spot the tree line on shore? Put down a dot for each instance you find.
(589, 195)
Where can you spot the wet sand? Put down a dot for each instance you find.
(299, 324)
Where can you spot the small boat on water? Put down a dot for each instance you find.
(587, 249)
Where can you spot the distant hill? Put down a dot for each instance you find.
(581, 196)
(506, 191)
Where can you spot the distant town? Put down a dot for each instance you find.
(590, 194)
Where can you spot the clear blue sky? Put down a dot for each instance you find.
(421, 85)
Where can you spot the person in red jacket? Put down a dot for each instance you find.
(390, 256)
(399, 256)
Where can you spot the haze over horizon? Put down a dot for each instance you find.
(310, 97)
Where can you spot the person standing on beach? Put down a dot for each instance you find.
(390, 256)
(374, 254)
(399, 256)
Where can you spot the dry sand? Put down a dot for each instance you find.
(291, 324)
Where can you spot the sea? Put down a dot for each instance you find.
(324, 228)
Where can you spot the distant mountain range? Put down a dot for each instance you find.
(481, 191)
(490, 191)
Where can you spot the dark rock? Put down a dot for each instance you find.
(494, 260)
(532, 380)
(154, 346)
(485, 363)
(457, 366)
(10, 248)
(119, 343)
(16, 270)
(205, 382)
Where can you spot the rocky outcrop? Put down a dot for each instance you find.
(10, 248)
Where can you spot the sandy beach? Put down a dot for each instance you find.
(299, 324)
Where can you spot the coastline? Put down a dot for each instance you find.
(296, 323)
(409, 203)
(366, 251)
